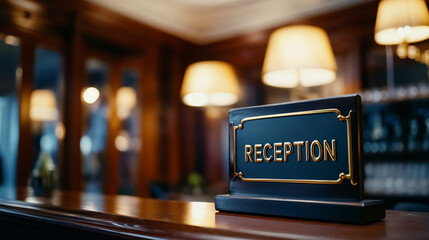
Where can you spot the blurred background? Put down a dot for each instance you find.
(93, 92)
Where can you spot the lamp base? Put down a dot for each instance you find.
(361, 212)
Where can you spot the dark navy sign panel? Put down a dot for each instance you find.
(324, 126)
(301, 130)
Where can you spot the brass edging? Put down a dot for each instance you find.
(342, 175)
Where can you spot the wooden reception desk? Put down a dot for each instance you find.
(75, 215)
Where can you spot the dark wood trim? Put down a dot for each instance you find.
(25, 146)
(172, 127)
(71, 172)
(111, 168)
(51, 40)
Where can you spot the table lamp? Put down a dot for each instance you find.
(401, 21)
(210, 83)
(43, 106)
(43, 109)
(299, 56)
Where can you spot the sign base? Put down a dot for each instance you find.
(359, 212)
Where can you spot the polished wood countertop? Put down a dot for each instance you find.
(86, 215)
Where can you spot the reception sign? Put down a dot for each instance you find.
(271, 148)
(301, 154)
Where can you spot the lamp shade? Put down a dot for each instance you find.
(299, 55)
(210, 83)
(400, 21)
(43, 106)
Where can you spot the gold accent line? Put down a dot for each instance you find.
(235, 151)
(349, 143)
(240, 126)
(342, 175)
(340, 179)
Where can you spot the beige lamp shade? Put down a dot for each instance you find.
(43, 106)
(299, 55)
(126, 100)
(210, 83)
(400, 21)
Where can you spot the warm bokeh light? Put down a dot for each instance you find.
(126, 100)
(43, 106)
(122, 141)
(299, 55)
(60, 130)
(11, 40)
(90, 95)
(400, 21)
(210, 83)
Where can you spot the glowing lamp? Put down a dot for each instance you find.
(210, 83)
(43, 106)
(401, 21)
(299, 56)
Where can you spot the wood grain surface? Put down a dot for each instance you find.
(83, 215)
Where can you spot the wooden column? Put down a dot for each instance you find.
(174, 144)
(215, 159)
(111, 181)
(71, 171)
(25, 146)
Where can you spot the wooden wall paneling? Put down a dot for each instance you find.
(25, 145)
(173, 126)
(353, 69)
(165, 103)
(188, 139)
(171, 145)
(46, 39)
(215, 159)
(71, 172)
(148, 165)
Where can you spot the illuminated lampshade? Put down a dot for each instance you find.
(400, 21)
(299, 55)
(210, 83)
(43, 106)
(126, 100)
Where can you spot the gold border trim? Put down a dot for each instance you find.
(342, 175)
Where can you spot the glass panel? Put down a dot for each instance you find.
(94, 140)
(10, 73)
(128, 140)
(45, 112)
